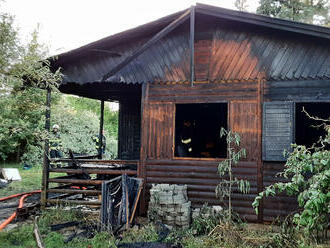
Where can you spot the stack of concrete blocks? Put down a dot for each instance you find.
(170, 205)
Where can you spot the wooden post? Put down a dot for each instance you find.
(144, 144)
(192, 46)
(259, 161)
(45, 171)
(101, 129)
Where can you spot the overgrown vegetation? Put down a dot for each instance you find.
(24, 71)
(308, 173)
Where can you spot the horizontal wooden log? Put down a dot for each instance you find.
(196, 161)
(75, 181)
(198, 169)
(99, 161)
(182, 181)
(75, 191)
(94, 171)
(75, 202)
(195, 175)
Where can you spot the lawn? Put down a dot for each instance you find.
(31, 180)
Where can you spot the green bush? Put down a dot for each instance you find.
(77, 129)
(308, 174)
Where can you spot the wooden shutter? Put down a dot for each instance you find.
(278, 130)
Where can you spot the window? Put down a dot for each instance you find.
(307, 130)
(284, 123)
(197, 130)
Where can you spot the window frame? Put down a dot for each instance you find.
(174, 129)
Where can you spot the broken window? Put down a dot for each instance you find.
(197, 130)
(308, 131)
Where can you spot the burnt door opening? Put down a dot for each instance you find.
(308, 131)
(197, 130)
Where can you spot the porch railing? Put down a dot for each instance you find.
(82, 176)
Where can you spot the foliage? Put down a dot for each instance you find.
(241, 5)
(22, 70)
(309, 11)
(110, 117)
(207, 220)
(77, 129)
(308, 174)
(224, 188)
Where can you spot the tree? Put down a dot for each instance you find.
(23, 72)
(225, 187)
(309, 11)
(241, 5)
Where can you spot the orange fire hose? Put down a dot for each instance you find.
(19, 194)
(20, 205)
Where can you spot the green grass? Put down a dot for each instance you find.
(31, 180)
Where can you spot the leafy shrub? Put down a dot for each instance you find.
(77, 129)
(308, 172)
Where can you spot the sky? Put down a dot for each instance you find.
(68, 24)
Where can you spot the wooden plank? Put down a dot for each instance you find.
(75, 181)
(93, 171)
(75, 191)
(76, 202)
(191, 44)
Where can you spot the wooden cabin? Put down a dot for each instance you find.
(216, 68)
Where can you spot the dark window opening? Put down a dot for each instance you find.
(307, 130)
(197, 130)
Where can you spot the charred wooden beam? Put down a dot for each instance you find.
(152, 41)
(101, 130)
(192, 45)
(96, 161)
(77, 202)
(75, 181)
(94, 171)
(45, 171)
(75, 191)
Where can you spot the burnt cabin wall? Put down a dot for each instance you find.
(129, 129)
(220, 81)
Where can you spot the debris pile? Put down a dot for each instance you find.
(206, 211)
(119, 202)
(169, 204)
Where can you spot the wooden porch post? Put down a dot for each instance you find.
(101, 130)
(45, 171)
